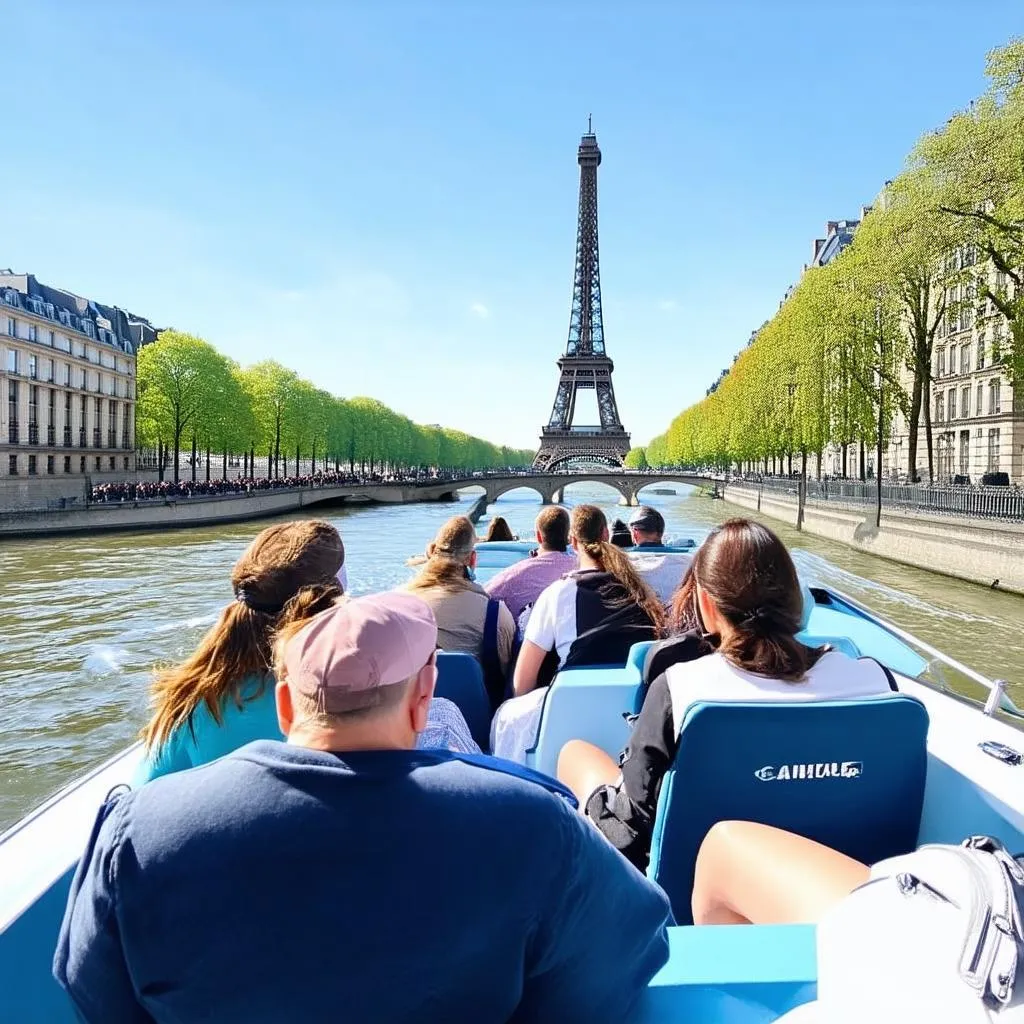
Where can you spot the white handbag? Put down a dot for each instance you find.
(935, 935)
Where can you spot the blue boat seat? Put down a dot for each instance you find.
(849, 774)
(839, 643)
(461, 680)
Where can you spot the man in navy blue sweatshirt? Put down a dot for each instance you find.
(345, 876)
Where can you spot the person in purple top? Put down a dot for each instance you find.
(521, 584)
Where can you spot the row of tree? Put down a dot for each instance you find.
(942, 250)
(190, 395)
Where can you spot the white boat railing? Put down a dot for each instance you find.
(998, 699)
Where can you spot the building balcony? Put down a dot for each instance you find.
(81, 437)
(33, 433)
(13, 432)
(97, 436)
(67, 437)
(51, 436)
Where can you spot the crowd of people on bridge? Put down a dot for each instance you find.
(308, 808)
(122, 491)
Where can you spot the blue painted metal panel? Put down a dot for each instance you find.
(732, 975)
(28, 993)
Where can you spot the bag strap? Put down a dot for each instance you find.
(490, 661)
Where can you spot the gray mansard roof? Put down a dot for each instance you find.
(105, 324)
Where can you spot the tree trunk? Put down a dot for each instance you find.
(846, 452)
(177, 449)
(207, 463)
(270, 462)
(312, 466)
(277, 446)
(801, 494)
(161, 455)
(194, 456)
(297, 473)
(224, 471)
(926, 400)
(878, 452)
(913, 423)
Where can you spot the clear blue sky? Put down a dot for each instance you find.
(383, 195)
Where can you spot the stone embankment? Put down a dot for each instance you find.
(205, 511)
(978, 550)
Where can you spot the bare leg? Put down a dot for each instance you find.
(755, 873)
(583, 767)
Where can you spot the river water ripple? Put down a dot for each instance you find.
(83, 620)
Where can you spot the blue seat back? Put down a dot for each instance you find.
(461, 680)
(849, 774)
(839, 643)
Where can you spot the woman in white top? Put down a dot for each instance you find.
(750, 605)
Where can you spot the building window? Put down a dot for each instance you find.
(981, 353)
(53, 339)
(12, 360)
(67, 420)
(965, 402)
(81, 464)
(32, 368)
(941, 372)
(49, 465)
(51, 421)
(940, 408)
(952, 403)
(31, 465)
(965, 452)
(12, 465)
(67, 375)
(33, 414)
(84, 380)
(13, 434)
(126, 463)
(33, 332)
(67, 463)
(993, 397)
(979, 410)
(112, 463)
(12, 327)
(965, 359)
(993, 450)
(99, 463)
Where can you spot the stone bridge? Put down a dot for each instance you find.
(551, 486)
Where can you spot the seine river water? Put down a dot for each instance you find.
(83, 620)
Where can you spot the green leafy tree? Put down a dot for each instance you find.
(636, 458)
(176, 378)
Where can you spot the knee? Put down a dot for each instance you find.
(570, 757)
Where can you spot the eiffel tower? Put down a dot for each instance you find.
(586, 363)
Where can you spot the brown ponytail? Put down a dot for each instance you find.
(288, 573)
(748, 573)
(589, 527)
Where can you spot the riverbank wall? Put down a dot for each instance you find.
(977, 550)
(205, 511)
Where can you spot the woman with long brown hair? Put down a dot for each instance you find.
(468, 621)
(591, 616)
(498, 529)
(750, 606)
(222, 695)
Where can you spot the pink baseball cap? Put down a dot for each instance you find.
(344, 655)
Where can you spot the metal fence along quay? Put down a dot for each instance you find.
(1004, 503)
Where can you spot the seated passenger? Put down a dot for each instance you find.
(498, 529)
(591, 616)
(662, 570)
(750, 601)
(520, 584)
(620, 535)
(338, 875)
(461, 606)
(222, 695)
